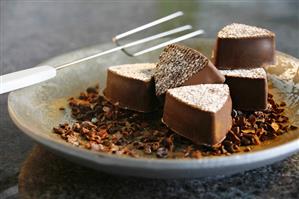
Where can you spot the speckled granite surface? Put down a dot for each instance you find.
(45, 175)
(33, 31)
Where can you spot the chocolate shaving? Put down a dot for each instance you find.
(104, 127)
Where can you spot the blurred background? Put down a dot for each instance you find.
(33, 31)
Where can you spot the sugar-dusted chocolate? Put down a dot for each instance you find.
(180, 66)
(243, 46)
(201, 113)
(248, 87)
(132, 86)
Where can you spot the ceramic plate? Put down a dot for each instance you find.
(35, 111)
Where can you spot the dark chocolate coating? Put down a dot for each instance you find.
(233, 53)
(248, 94)
(208, 75)
(131, 93)
(199, 126)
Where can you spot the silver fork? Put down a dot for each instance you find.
(28, 77)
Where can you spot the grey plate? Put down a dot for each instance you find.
(35, 111)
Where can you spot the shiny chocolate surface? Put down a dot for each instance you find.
(232, 53)
(195, 123)
(130, 93)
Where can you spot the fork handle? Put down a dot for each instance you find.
(24, 78)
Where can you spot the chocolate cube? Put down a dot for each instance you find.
(248, 87)
(132, 86)
(201, 113)
(243, 46)
(180, 66)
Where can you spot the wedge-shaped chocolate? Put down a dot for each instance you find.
(248, 88)
(132, 86)
(201, 112)
(243, 46)
(181, 66)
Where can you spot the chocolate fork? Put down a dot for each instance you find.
(31, 76)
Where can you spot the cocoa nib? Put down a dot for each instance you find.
(104, 127)
(162, 152)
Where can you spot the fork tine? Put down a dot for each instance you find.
(148, 25)
(147, 39)
(154, 37)
(178, 39)
(134, 43)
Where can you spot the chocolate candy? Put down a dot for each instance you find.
(132, 86)
(201, 113)
(243, 46)
(248, 88)
(180, 66)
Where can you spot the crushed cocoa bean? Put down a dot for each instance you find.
(104, 127)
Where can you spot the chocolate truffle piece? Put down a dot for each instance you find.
(243, 46)
(201, 113)
(248, 88)
(181, 66)
(132, 86)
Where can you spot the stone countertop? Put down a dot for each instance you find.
(33, 31)
(45, 175)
